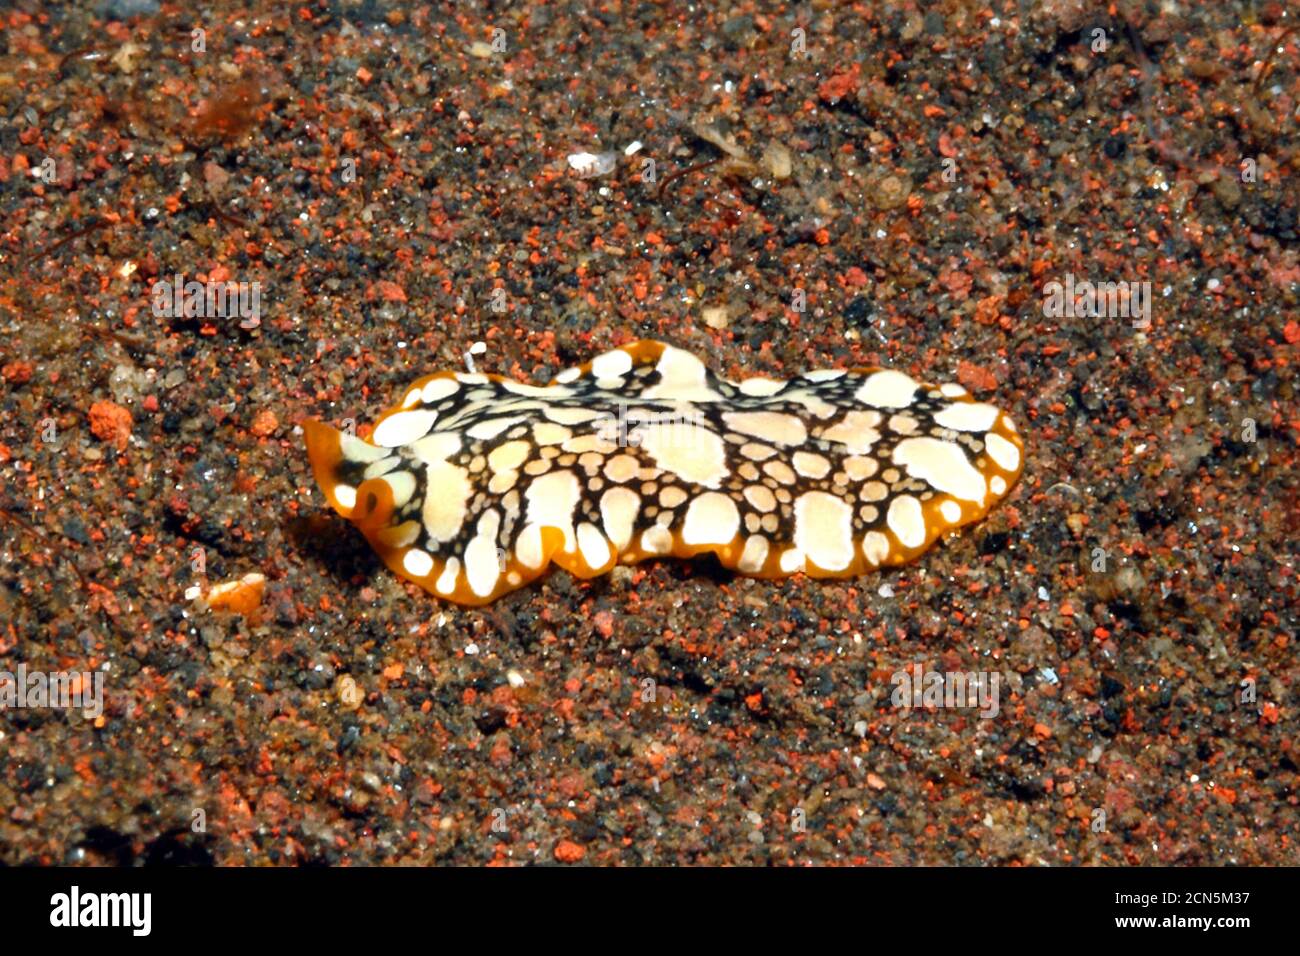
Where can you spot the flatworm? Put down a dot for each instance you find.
(475, 483)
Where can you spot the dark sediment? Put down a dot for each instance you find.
(1140, 579)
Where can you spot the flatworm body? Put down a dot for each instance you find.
(475, 483)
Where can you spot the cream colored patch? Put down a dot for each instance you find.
(449, 491)
(482, 566)
(402, 535)
(510, 503)
(903, 424)
(887, 389)
(1002, 451)
(656, 540)
(547, 433)
(346, 496)
(813, 403)
(402, 428)
(622, 468)
(823, 527)
(875, 548)
(712, 518)
(792, 560)
(551, 500)
(951, 511)
(860, 469)
(856, 431)
(417, 563)
(967, 417)
(535, 391)
(466, 412)
(683, 378)
(775, 427)
(760, 497)
(810, 465)
(509, 456)
(907, 521)
(472, 378)
(593, 546)
(690, 452)
(570, 416)
(446, 582)
(951, 390)
(569, 375)
(436, 448)
(354, 449)
(760, 387)
(586, 443)
(439, 389)
(671, 497)
(780, 471)
(756, 451)
(502, 481)
(824, 374)
(997, 485)
(528, 547)
(942, 465)
(492, 427)
(618, 511)
(611, 364)
(511, 406)
(874, 491)
(381, 467)
(754, 556)
(402, 484)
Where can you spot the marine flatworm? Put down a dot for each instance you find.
(475, 483)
